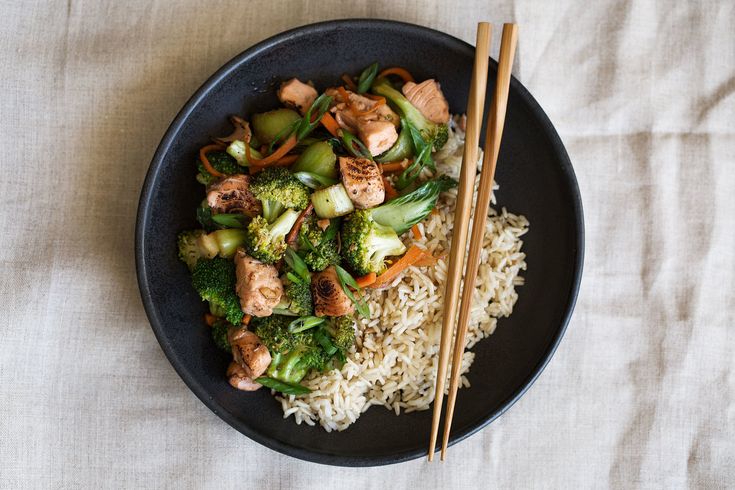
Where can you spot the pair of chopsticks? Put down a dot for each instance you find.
(475, 107)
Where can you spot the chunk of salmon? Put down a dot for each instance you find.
(363, 181)
(232, 194)
(328, 295)
(248, 351)
(428, 98)
(258, 285)
(373, 123)
(297, 94)
(240, 379)
(378, 136)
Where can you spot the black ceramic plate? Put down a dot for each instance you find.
(536, 179)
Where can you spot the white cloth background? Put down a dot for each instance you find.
(640, 392)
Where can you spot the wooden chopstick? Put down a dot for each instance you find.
(485, 191)
(475, 108)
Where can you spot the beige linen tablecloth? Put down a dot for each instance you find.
(641, 390)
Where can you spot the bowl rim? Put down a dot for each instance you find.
(143, 217)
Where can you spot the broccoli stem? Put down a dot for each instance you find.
(272, 210)
(283, 224)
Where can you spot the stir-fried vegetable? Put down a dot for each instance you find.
(402, 148)
(366, 243)
(313, 116)
(414, 254)
(305, 323)
(320, 248)
(214, 280)
(294, 353)
(230, 220)
(347, 281)
(219, 335)
(267, 241)
(332, 202)
(218, 164)
(237, 151)
(354, 146)
(282, 386)
(405, 211)
(421, 159)
(398, 71)
(277, 190)
(268, 126)
(319, 159)
(330, 124)
(366, 78)
(296, 299)
(309, 222)
(197, 244)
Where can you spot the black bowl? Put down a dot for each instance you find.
(536, 179)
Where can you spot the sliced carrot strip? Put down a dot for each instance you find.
(390, 191)
(374, 108)
(377, 98)
(391, 167)
(294, 233)
(398, 71)
(328, 122)
(348, 81)
(209, 319)
(287, 146)
(246, 319)
(343, 95)
(287, 160)
(416, 232)
(427, 260)
(366, 280)
(205, 161)
(409, 258)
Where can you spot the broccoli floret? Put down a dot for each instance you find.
(219, 335)
(214, 280)
(267, 242)
(296, 300)
(324, 254)
(433, 133)
(342, 330)
(405, 211)
(222, 162)
(195, 245)
(294, 354)
(366, 243)
(278, 189)
(319, 246)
